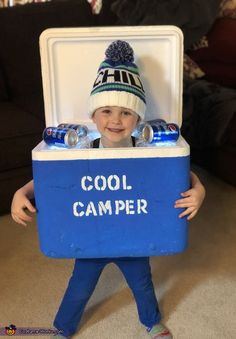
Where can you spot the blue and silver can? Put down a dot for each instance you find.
(139, 128)
(155, 132)
(66, 137)
(81, 130)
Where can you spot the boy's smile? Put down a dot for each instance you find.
(115, 124)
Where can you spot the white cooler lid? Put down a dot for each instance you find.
(70, 58)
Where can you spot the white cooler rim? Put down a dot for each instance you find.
(43, 152)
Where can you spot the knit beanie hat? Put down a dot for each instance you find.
(118, 82)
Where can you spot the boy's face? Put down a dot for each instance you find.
(115, 124)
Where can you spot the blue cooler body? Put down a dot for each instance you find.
(110, 202)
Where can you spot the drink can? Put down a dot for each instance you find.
(139, 128)
(81, 130)
(137, 133)
(66, 137)
(155, 132)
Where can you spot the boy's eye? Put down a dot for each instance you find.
(127, 113)
(106, 111)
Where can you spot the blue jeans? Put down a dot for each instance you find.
(83, 281)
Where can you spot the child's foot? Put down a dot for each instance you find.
(159, 331)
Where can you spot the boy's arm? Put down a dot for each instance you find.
(21, 201)
(191, 199)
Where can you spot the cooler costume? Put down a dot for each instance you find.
(117, 84)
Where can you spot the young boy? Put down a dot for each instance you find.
(116, 104)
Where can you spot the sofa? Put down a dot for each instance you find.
(210, 102)
(21, 95)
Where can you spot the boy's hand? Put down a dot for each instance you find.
(20, 202)
(192, 200)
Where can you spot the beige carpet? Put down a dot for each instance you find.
(196, 289)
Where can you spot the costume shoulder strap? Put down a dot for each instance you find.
(95, 143)
(133, 141)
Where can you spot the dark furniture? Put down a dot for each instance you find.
(21, 98)
(210, 109)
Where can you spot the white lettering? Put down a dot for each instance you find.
(103, 185)
(129, 206)
(108, 207)
(103, 208)
(124, 181)
(116, 180)
(75, 207)
(119, 206)
(141, 206)
(91, 209)
(83, 183)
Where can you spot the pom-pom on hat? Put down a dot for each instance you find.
(118, 81)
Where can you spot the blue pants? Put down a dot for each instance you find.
(83, 281)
